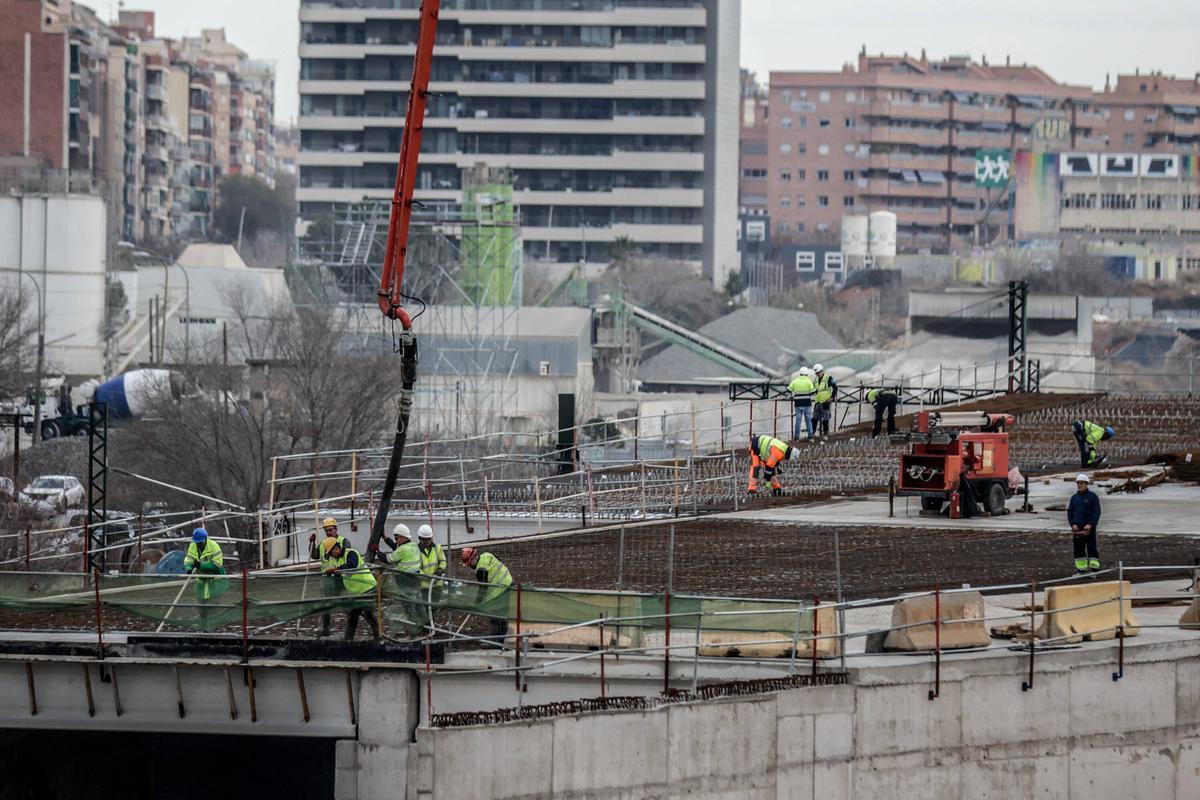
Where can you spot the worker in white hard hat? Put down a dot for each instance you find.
(1083, 515)
(432, 556)
(802, 389)
(404, 556)
(405, 560)
(823, 400)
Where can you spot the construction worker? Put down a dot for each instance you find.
(802, 389)
(316, 552)
(1083, 514)
(205, 560)
(824, 397)
(767, 452)
(432, 556)
(883, 401)
(404, 556)
(347, 567)
(494, 579)
(1088, 435)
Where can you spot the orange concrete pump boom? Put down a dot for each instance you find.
(391, 282)
(392, 274)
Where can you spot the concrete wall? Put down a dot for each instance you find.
(1077, 733)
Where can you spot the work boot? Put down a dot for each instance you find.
(776, 492)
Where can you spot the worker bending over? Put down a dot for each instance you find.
(316, 552)
(766, 454)
(205, 560)
(494, 578)
(1087, 436)
(346, 566)
(1083, 514)
(826, 393)
(883, 401)
(803, 389)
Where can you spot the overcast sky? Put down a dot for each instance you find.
(1077, 41)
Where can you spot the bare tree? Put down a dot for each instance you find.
(674, 289)
(18, 340)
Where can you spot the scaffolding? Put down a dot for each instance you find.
(465, 265)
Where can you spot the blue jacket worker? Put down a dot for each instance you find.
(1083, 514)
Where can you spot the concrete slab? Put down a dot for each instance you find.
(1187, 769)
(907, 777)
(1164, 509)
(996, 711)
(510, 771)
(382, 771)
(1147, 773)
(899, 719)
(1047, 778)
(1187, 691)
(815, 700)
(723, 740)
(394, 704)
(794, 741)
(834, 736)
(1143, 700)
(598, 753)
(833, 781)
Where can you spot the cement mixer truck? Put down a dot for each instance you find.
(129, 395)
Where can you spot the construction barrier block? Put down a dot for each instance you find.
(1063, 618)
(1191, 617)
(775, 644)
(580, 638)
(962, 623)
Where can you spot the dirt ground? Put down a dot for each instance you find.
(736, 558)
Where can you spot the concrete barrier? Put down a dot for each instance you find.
(775, 644)
(962, 623)
(580, 638)
(1099, 620)
(1191, 617)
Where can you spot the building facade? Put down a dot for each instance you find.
(618, 119)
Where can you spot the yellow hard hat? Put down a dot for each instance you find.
(329, 522)
(328, 545)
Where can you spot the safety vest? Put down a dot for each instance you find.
(406, 557)
(432, 560)
(824, 389)
(802, 387)
(1092, 433)
(328, 562)
(497, 573)
(765, 443)
(210, 555)
(358, 580)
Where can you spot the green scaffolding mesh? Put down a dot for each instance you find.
(209, 603)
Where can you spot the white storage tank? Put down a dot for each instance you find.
(855, 228)
(882, 239)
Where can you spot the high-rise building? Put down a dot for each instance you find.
(617, 118)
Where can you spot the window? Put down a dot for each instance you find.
(850, 122)
(754, 174)
(801, 148)
(833, 262)
(785, 175)
(801, 201)
(801, 174)
(1129, 139)
(1189, 202)
(1189, 264)
(1118, 201)
(1130, 114)
(822, 175)
(823, 96)
(782, 228)
(848, 175)
(785, 201)
(1150, 119)
(848, 148)
(823, 122)
(822, 149)
(785, 149)
(803, 121)
(806, 261)
(1079, 200)
(823, 201)
(1153, 202)
(785, 122)
(848, 202)
(849, 97)
(799, 227)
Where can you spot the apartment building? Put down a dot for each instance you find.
(1151, 112)
(900, 133)
(618, 118)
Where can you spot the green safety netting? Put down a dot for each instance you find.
(208, 603)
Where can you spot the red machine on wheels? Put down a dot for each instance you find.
(948, 457)
(391, 293)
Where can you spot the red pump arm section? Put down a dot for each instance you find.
(406, 171)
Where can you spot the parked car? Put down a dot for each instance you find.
(58, 491)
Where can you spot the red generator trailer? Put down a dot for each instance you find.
(945, 448)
